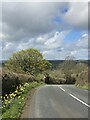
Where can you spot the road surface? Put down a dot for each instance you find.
(59, 101)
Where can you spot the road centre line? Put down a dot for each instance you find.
(75, 98)
(62, 89)
(80, 100)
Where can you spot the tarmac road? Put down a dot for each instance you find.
(59, 101)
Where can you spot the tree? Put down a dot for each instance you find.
(67, 68)
(29, 61)
(69, 63)
(70, 58)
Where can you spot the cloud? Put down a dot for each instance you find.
(54, 49)
(78, 49)
(82, 42)
(56, 41)
(31, 18)
(43, 26)
(46, 1)
(77, 15)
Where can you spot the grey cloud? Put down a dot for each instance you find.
(27, 25)
(60, 52)
(32, 18)
(77, 15)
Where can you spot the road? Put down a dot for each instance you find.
(59, 101)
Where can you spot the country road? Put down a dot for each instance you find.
(59, 101)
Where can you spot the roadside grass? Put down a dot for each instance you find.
(86, 87)
(18, 103)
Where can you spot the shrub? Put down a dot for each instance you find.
(53, 80)
(70, 80)
(28, 61)
(59, 77)
(82, 78)
(11, 80)
(39, 77)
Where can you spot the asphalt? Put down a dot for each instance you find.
(59, 101)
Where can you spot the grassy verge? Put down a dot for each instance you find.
(16, 107)
(86, 87)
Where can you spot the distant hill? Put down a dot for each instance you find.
(56, 63)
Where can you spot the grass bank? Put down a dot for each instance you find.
(86, 87)
(15, 108)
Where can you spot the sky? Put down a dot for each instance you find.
(56, 29)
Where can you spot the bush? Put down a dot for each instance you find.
(53, 80)
(28, 61)
(11, 80)
(82, 78)
(39, 78)
(70, 80)
(59, 77)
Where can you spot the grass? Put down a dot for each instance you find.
(86, 87)
(15, 109)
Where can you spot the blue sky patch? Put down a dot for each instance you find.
(74, 35)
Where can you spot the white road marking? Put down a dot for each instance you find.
(62, 89)
(79, 100)
(75, 98)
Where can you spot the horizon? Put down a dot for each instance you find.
(55, 60)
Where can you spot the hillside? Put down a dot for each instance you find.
(56, 63)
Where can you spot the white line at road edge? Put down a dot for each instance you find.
(79, 100)
(62, 89)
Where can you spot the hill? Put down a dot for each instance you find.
(56, 63)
